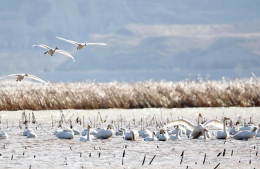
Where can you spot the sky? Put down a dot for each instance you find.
(170, 40)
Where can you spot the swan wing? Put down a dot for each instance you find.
(96, 44)
(186, 123)
(70, 41)
(11, 75)
(213, 122)
(66, 53)
(36, 78)
(42, 46)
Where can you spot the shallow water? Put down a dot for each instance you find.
(46, 151)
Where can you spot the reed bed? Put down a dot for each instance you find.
(92, 95)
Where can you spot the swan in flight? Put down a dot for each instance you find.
(3, 135)
(197, 130)
(81, 45)
(52, 51)
(20, 77)
(245, 135)
(223, 134)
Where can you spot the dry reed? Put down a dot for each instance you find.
(91, 95)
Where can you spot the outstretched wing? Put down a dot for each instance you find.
(213, 122)
(43, 46)
(70, 41)
(66, 53)
(11, 75)
(36, 78)
(186, 123)
(96, 44)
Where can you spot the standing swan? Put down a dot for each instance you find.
(164, 136)
(197, 130)
(81, 45)
(52, 51)
(20, 77)
(245, 135)
(223, 134)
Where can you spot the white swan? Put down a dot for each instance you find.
(3, 135)
(153, 138)
(145, 133)
(65, 134)
(233, 130)
(88, 138)
(245, 135)
(131, 135)
(31, 134)
(223, 134)
(197, 130)
(52, 51)
(81, 45)
(20, 77)
(204, 137)
(26, 131)
(105, 133)
(177, 137)
(246, 127)
(164, 136)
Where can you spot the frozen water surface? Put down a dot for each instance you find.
(47, 151)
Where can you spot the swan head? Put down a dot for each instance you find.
(89, 127)
(200, 115)
(85, 44)
(132, 134)
(26, 74)
(56, 48)
(153, 133)
(226, 118)
(254, 129)
(162, 131)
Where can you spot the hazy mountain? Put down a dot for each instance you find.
(145, 36)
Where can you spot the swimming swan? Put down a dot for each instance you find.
(197, 130)
(20, 77)
(153, 138)
(81, 45)
(51, 51)
(106, 133)
(164, 136)
(223, 134)
(3, 135)
(245, 135)
(88, 138)
(65, 134)
(177, 136)
(131, 135)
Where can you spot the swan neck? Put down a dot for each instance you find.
(224, 125)
(88, 134)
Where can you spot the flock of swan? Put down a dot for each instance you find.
(175, 130)
(51, 51)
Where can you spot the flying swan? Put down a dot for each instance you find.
(197, 130)
(20, 77)
(52, 51)
(81, 45)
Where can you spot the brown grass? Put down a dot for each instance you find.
(90, 95)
